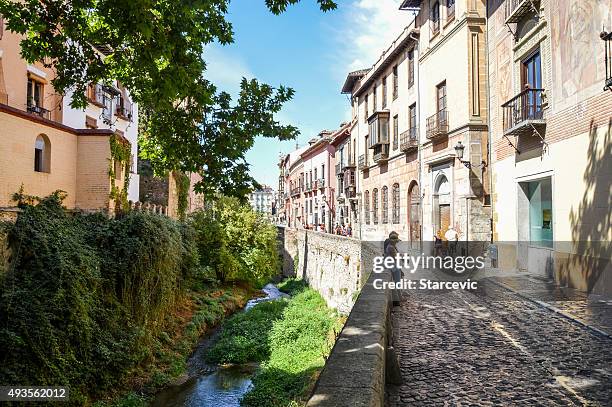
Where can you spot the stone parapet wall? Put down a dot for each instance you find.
(362, 360)
(331, 264)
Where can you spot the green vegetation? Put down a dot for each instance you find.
(101, 304)
(157, 50)
(291, 339)
(235, 243)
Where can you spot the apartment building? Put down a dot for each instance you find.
(551, 119)
(319, 183)
(294, 183)
(345, 148)
(48, 146)
(261, 200)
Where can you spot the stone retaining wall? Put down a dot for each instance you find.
(330, 264)
(362, 359)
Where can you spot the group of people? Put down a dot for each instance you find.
(342, 230)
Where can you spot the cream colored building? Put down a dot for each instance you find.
(551, 139)
(47, 147)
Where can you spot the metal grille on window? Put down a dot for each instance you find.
(385, 205)
(366, 203)
(396, 203)
(375, 206)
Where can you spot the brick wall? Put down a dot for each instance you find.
(93, 183)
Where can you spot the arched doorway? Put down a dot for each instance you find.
(441, 205)
(414, 215)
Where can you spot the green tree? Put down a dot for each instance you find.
(156, 49)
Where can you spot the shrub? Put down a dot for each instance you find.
(85, 295)
(236, 242)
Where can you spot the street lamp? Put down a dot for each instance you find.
(459, 149)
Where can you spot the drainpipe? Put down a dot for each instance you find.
(419, 150)
(489, 167)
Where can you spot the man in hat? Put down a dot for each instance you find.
(391, 251)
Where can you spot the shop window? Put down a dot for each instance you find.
(539, 194)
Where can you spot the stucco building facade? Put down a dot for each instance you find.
(48, 146)
(551, 124)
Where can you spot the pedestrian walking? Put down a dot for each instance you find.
(452, 237)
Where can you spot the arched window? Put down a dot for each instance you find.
(375, 206)
(435, 18)
(42, 154)
(395, 199)
(385, 204)
(366, 209)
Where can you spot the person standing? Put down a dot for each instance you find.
(391, 251)
(452, 237)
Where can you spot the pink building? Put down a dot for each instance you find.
(319, 181)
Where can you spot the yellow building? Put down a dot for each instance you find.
(41, 153)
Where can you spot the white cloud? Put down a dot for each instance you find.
(225, 69)
(369, 27)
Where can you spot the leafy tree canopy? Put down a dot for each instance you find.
(156, 50)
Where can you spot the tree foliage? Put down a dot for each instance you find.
(235, 242)
(157, 51)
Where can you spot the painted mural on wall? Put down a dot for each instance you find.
(578, 54)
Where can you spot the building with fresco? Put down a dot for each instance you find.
(551, 140)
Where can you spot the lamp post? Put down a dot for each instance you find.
(459, 149)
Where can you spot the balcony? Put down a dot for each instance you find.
(524, 113)
(124, 110)
(437, 125)
(381, 154)
(607, 38)
(296, 191)
(378, 129)
(350, 162)
(96, 95)
(321, 183)
(350, 192)
(515, 10)
(363, 163)
(409, 140)
(39, 111)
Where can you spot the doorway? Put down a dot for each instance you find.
(414, 215)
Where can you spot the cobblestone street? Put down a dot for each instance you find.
(494, 347)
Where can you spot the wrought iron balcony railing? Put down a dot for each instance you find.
(409, 140)
(321, 183)
(515, 10)
(437, 125)
(363, 162)
(39, 111)
(296, 191)
(523, 111)
(124, 110)
(607, 38)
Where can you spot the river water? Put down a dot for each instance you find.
(218, 386)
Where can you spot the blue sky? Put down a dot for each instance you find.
(307, 50)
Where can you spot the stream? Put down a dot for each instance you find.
(212, 385)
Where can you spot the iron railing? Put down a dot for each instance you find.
(363, 162)
(409, 139)
(525, 106)
(39, 111)
(514, 10)
(381, 154)
(607, 38)
(437, 124)
(124, 110)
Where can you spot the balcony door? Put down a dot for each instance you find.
(531, 78)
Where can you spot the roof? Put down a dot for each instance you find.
(410, 5)
(397, 47)
(353, 77)
(342, 133)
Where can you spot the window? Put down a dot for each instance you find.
(531, 78)
(365, 103)
(410, 68)
(435, 18)
(384, 92)
(366, 204)
(539, 194)
(412, 119)
(395, 203)
(35, 93)
(395, 132)
(374, 105)
(375, 206)
(395, 84)
(385, 204)
(323, 171)
(42, 154)
(441, 96)
(450, 10)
